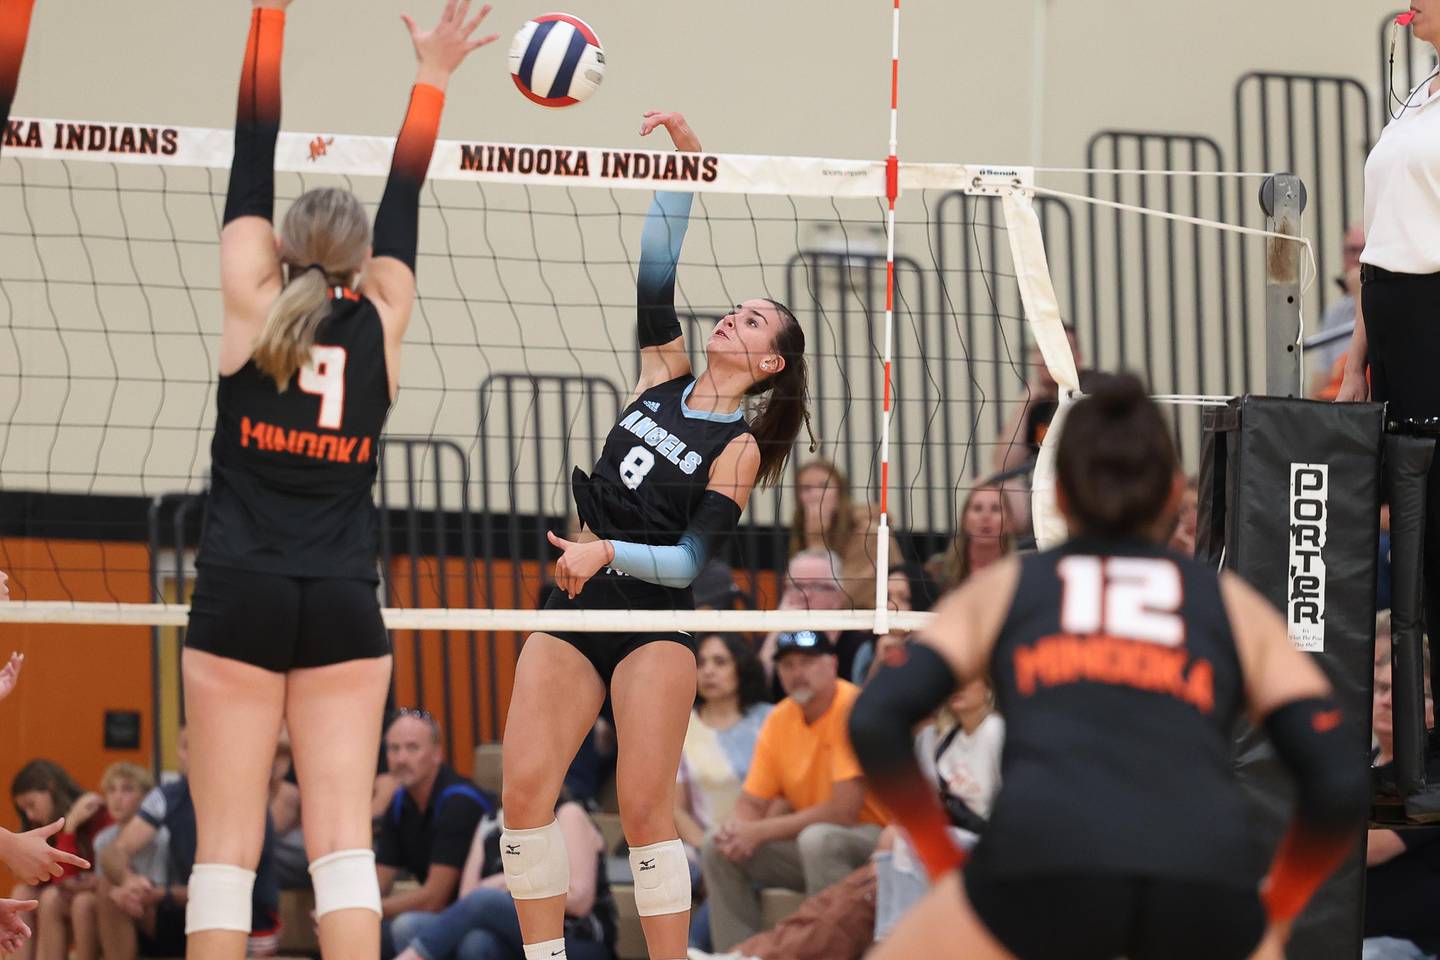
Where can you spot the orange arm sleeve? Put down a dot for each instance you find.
(14, 32)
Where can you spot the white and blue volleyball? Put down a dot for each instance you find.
(556, 60)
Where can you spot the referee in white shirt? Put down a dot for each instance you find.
(1397, 328)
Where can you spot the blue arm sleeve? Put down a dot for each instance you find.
(660, 242)
(676, 566)
(679, 565)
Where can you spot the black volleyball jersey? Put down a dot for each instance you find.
(655, 466)
(1117, 675)
(291, 472)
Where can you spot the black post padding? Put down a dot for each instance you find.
(1265, 455)
(1407, 472)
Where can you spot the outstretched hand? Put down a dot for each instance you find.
(31, 858)
(10, 674)
(442, 50)
(578, 562)
(13, 929)
(674, 123)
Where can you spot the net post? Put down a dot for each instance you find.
(1282, 198)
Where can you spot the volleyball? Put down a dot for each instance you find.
(556, 60)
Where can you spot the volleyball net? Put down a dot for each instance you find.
(522, 350)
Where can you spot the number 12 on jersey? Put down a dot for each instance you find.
(1134, 598)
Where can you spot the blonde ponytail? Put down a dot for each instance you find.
(289, 334)
(328, 230)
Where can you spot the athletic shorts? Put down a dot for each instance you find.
(169, 937)
(283, 623)
(1101, 917)
(616, 591)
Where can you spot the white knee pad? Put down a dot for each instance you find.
(219, 898)
(345, 880)
(536, 863)
(662, 878)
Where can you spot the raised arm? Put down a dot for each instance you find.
(390, 278)
(14, 32)
(249, 263)
(662, 345)
(952, 649)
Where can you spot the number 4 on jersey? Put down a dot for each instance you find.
(324, 376)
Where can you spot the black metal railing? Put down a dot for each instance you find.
(1318, 127)
(432, 523)
(1163, 294)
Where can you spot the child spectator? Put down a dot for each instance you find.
(123, 786)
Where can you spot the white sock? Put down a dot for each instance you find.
(549, 950)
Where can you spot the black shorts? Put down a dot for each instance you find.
(616, 591)
(169, 937)
(283, 623)
(1101, 917)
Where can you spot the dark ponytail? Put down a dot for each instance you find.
(1116, 460)
(785, 407)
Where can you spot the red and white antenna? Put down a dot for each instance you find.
(892, 190)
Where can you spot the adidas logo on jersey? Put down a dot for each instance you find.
(654, 405)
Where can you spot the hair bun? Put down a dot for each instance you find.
(1117, 395)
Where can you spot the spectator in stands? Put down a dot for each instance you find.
(1019, 440)
(124, 786)
(1382, 715)
(292, 866)
(961, 752)
(1402, 882)
(427, 830)
(984, 536)
(812, 582)
(483, 924)
(61, 911)
(827, 518)
(803, 759)
(41, 792)
(1340, 315)
(10, 674)
(1182, 541)
(731, 704)
(141, 908)
(715, 588)
(909, 588)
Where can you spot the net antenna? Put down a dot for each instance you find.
(1015, 186)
